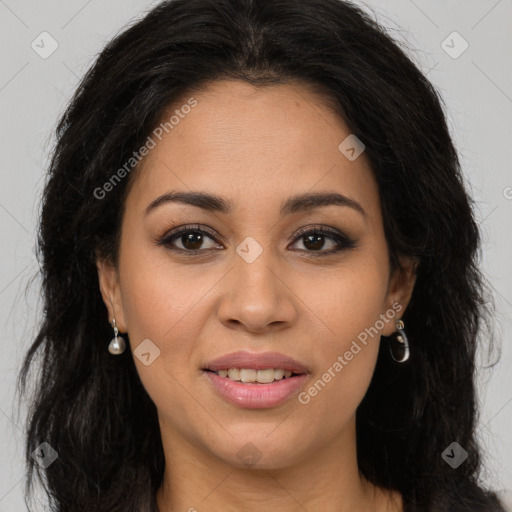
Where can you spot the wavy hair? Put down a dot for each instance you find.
(92, 408)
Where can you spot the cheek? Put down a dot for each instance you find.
(345, 370)
(158, 294)
(349, 298)
(350, 305)
(162, 310)
(161, 304)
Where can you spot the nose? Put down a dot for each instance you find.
(257, 297)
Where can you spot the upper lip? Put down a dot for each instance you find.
(256, 361)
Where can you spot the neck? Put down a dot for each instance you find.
(326, 479)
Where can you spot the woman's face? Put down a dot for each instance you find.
(252, 281)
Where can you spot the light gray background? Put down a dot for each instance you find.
(477, 88)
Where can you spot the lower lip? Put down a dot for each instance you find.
(254, 395)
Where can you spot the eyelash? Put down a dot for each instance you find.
(343, 241)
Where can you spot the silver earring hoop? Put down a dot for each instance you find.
(401, 338)
(117, 344)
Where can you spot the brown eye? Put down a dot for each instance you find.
(314, 240)
(192, 240)
(189, 239)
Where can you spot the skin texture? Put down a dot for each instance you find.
(256, 147)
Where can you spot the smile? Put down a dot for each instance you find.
(248, 375)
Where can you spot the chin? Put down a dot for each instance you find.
(257, 450)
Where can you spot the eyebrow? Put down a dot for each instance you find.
(214, 203)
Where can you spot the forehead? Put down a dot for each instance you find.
(249, 143)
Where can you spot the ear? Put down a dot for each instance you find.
(400, 288)
(108, 277)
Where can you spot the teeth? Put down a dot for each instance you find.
(250, 375)
(265, 376)
(234, 374)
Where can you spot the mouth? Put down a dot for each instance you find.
(256, 381)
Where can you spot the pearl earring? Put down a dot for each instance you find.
(117, 345)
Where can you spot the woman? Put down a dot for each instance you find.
(260, 274)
